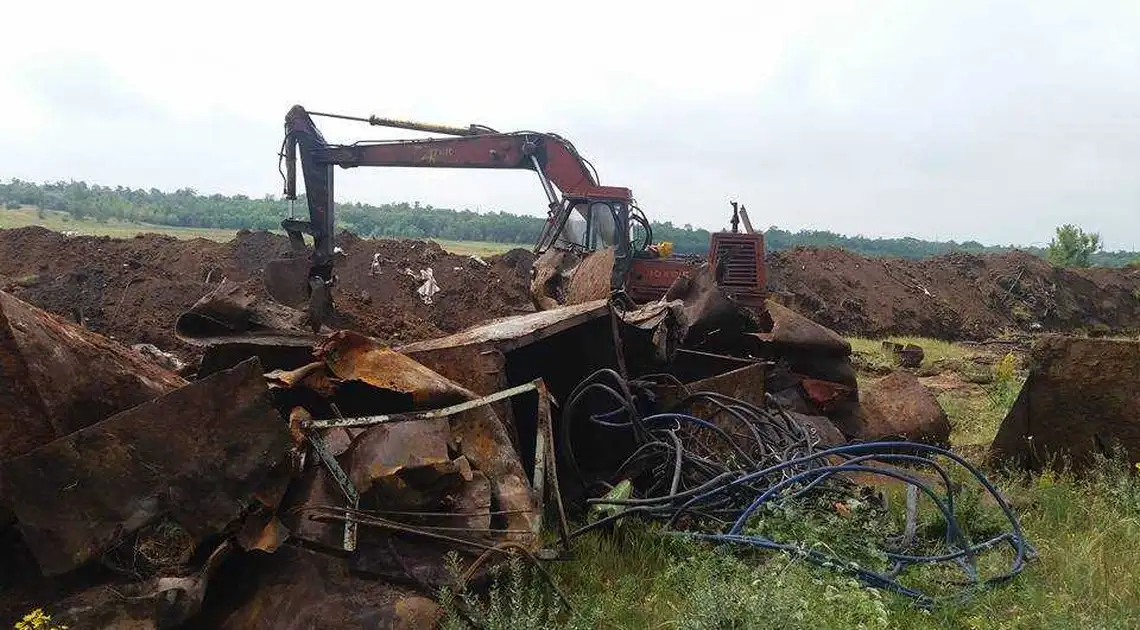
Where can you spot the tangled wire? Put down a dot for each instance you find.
(716, 468)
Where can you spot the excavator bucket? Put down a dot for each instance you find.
(287, 281)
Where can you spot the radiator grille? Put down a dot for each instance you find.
(737, 257)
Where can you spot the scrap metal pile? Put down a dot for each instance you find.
(303, 481)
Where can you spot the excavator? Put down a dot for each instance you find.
(583, 216)
(595, 242)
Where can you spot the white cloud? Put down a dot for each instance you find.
(965, 120)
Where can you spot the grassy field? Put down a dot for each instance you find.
(62, 222)
(476, 248)
(1086, 533)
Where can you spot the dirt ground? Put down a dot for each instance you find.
(134, 289)
(954, 297)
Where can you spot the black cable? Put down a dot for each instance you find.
(707, 481)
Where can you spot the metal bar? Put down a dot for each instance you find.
(400, 527)
(366, 421)
(384, 513)
(350, 493)
(546, 430)
(410, 125)
(547, 187)
(341, 116)
(539, 464)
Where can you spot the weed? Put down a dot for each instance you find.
(30, 280)
(851, 528)
(1086, 575)
(516, 600)
(1003, 391)
(728, 592)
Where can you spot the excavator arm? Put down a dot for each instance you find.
(566, 179)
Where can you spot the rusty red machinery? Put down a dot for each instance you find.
(583, 215)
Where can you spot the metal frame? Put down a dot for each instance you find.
(544, 458)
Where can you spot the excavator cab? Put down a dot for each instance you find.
(589, 227)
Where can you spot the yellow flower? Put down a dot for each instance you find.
(38, 620)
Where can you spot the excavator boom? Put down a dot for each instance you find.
(566, 179)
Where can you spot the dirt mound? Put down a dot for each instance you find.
(956, 296)
(134, 289)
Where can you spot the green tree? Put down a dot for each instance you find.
(1072, 247)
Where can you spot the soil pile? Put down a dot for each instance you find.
(956, 296)
(134, 289)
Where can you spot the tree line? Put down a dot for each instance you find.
(185, 207)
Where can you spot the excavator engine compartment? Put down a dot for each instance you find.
(739, 260)
(650, 278)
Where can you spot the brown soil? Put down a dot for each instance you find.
(956, 296)
(134, 289)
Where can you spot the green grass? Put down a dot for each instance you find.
(477, 248)
(974, 421)
(1086, 574)
(978, 404)
(934, 350)
(63, 222)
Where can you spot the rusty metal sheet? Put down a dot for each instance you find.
(651, 315)
(274, 354)
(708, 316)
(509, 333)
(230, 314)
(296, 589)
(198, 455)
(396, 451)
(56, 378)
(826, 395)
(417, 457)
(552, 271)
(353, 356)
(481, 368)
(164, 602)
(313, 376)
(745, 383)
(789, 328)
(590, 280)
(1079, 403)
(485, 443)
(316, 486)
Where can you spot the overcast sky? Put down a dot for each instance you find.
(993, 121)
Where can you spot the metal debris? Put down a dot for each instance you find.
(198, 454)
(1078, 405)
(56, 378)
